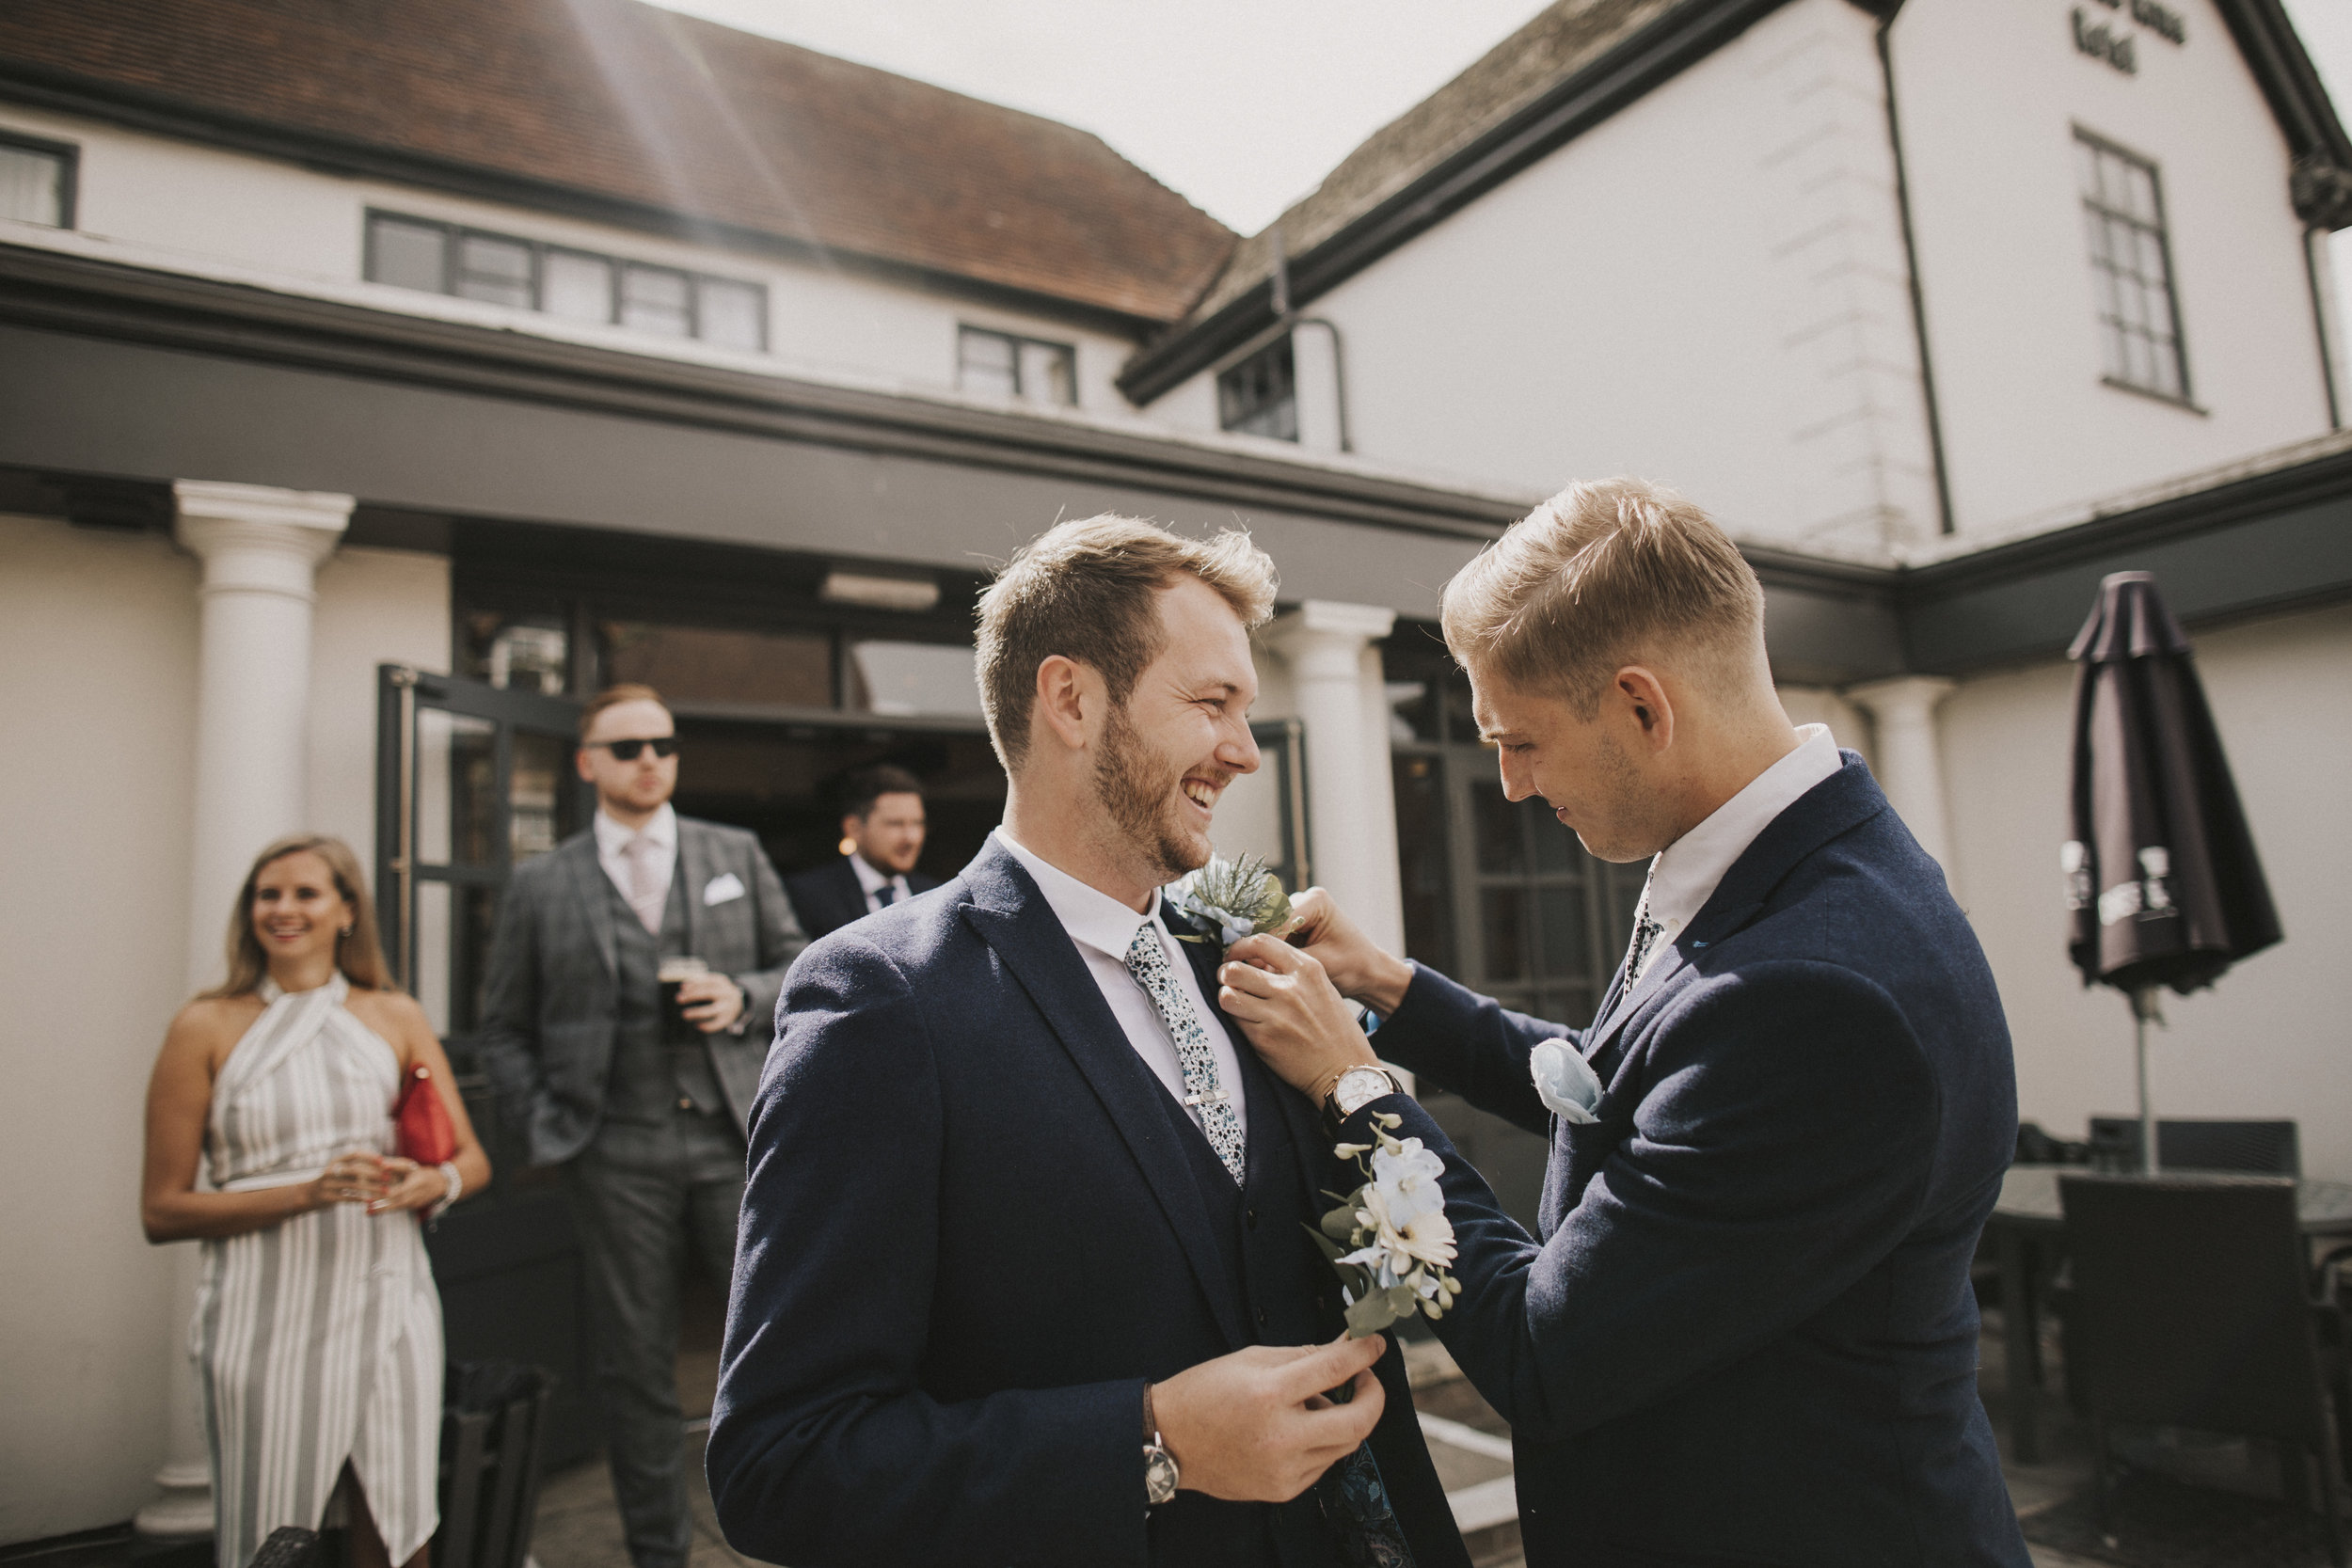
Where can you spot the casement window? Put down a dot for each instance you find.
(37, 181)
(557, 280)
(2131, 270)
(1259, 396)
(1005, 365)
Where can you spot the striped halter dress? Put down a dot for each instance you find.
(317, 1341)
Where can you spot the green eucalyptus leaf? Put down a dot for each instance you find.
(1370, 1316)
(1340, 1224)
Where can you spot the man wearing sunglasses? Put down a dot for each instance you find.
(642, 1102)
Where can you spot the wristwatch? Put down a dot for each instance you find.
(1159, 1465)
(1357, 1088)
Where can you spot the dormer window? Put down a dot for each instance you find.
(557, 280)
(37, 181)
(1259, 395)
(1007, 365)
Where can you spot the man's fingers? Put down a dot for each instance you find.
(1248, 977)
(1330, 1366)
(1341, 1426)
(1264, 952)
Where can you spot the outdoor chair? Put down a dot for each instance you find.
(2192, 1305)
(2260, 1147)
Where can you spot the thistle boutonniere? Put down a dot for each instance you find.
(1232, 899)
(1389, 1239)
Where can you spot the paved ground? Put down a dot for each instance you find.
(579, 1529)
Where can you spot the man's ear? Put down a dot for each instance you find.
(1067, 692)
(1644, 696)
(850, 825)
(580, 760)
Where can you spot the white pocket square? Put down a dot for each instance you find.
(723, 887)
(1564, 1082)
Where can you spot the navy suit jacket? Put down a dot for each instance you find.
(831, 896)
(1746, 1332)
(972, 1232)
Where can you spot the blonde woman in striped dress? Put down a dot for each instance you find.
(317, 1335)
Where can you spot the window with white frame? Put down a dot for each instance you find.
(1007, 365)
(557, 280)
(37, 181)
(1259, 395)
(2131, 270)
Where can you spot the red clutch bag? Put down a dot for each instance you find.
(421, 1124)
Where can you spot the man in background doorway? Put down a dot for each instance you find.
(882, 838)
(642, 1102)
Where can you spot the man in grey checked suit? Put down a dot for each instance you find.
(646, 1118)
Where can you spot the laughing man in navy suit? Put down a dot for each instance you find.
(1023, 1274)
(1743, 1332)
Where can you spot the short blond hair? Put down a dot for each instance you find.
(1083, 590)
(1600, 574)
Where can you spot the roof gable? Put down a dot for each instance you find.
(663, 119)
(1568, 69)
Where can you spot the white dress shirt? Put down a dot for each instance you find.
(1102, 928)
(612, 853)
(1687, 872)
(873, 881)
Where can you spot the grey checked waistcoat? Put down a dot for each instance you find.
(651, 1072)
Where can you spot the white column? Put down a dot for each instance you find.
(1910, 763)
(1337, 691)
(261, 548)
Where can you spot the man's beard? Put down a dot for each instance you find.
(1140, 800)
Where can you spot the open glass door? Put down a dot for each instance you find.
(473, 781)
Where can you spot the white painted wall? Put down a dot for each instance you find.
(2271, 1038)
(94, 825)
(1990, 91)
(152, 201)
(99, 631)
(1707, 289)
(1710, 287)
(375, 606)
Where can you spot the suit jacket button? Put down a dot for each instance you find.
(684, 1103)
(1260, 1317)
(1251, 1217)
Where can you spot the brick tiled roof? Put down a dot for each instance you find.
(645, 107)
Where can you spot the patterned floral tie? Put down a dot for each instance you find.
(1148, 962)
(1645, 934)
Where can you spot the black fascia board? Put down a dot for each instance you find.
(59, 291)
(1623, 75)
(62, 92)
(2290, 83)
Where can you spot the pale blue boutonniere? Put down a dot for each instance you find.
(1389, 1239)
(1231, 899)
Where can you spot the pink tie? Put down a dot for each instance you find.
(645, 896)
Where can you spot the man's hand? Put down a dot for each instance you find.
(1357, 965)
(1286, 1004)
(710, 1002)
(1254, 1427)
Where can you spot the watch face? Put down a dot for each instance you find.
(1359, 1088)
(1159, 1474)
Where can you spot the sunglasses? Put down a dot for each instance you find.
(626, 751)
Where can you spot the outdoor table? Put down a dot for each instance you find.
(2029, 1230)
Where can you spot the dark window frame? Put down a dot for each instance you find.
(1268, 410)
(1067, 353)
(69, 156)
(453, 233)
(2107, 273)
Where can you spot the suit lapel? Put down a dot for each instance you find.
(596, 896)
(694, 871)
(850, 890)
(1013, 918)
(1838, 803)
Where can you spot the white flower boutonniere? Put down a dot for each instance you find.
(1389, 1239)
(1232, 899)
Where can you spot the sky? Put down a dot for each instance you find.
(1242, 105)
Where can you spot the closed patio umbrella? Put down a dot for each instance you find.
(2163, 884)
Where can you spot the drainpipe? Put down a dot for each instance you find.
(1887, 12)
(1287, 318)
(2322, 194)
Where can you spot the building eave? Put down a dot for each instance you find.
(48, 290)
